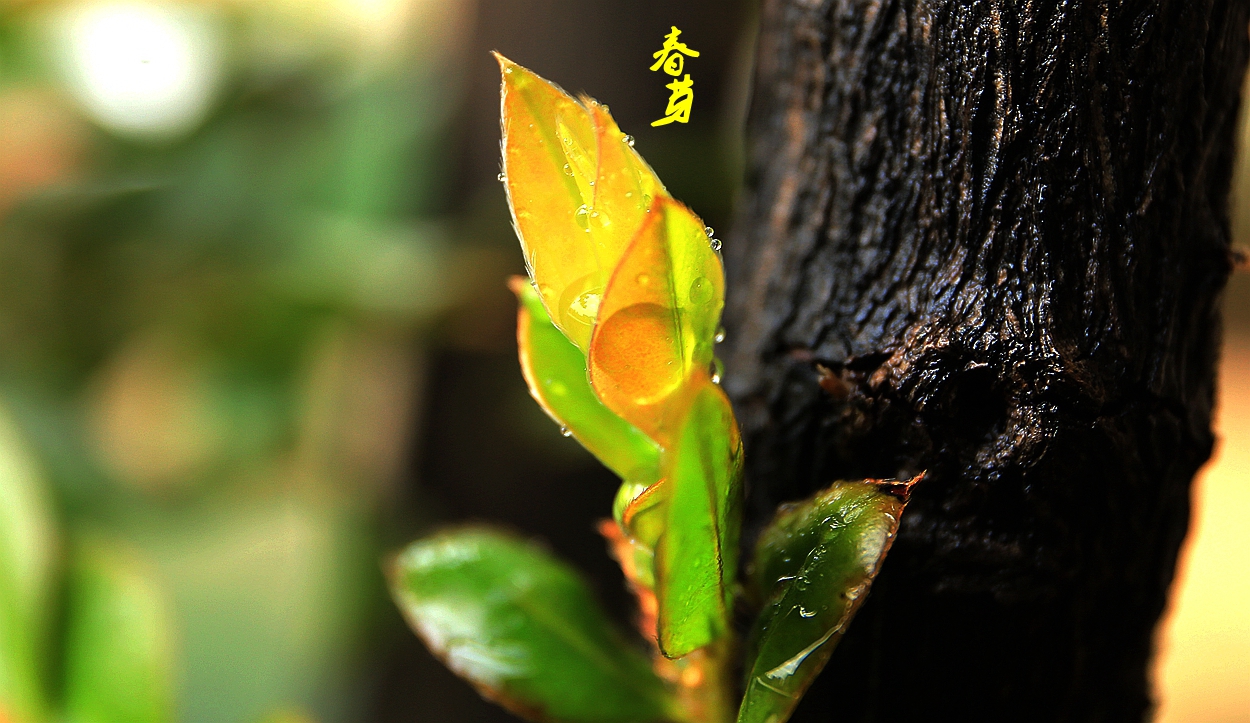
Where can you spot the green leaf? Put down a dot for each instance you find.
(812, 568)
(524, 629)
(27, 549)
(696, 556)
(555, 370)
(118, 658)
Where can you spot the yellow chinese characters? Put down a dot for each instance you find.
(672, 58)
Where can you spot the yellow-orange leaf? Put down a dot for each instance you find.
(657, 319)
(578, 193)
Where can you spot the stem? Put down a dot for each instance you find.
(705, 688)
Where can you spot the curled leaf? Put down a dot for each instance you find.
(696, 555)
(657, 321)
(578, 193)
(813, 566)
(555, 371)
(524, 630)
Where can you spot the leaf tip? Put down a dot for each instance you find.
(900, 489)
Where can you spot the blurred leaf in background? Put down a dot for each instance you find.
(218, 270)
(118, 662)
(27, 561)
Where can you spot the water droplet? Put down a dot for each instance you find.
(585, 306)
(629, 141)
(564, 431)
(600, 220)
(507, 71)
(629, 194)
(641, 331)
(718, 370)
(715, 244)
(646, 202)
(805, 613)
(568, 141)
(568, 170)
(720, 335)
(591, 182)
(501, 177)
(604, 106)
(582, 216)
(701, 291)
(708, 230)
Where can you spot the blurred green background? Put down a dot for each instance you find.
(254, 335)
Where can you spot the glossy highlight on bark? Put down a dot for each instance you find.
(524, 629)
(812, 569)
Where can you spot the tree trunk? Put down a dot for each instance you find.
(986, 239)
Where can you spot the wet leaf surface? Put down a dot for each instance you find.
(555, 371)
(578, 193)
(812, 568)
(524, 629)
(696, 556)
(657, 321)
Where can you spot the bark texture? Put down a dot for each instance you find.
(986, 239)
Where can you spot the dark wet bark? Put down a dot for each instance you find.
(1001, 226)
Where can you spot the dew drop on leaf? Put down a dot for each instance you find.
(715, 244)
(638, 352)
(708, 230)
(585, 306)
(565, 432)
(720, 335)
(568, 170)
(700, 291)
(582, 216)
(629, 141)
(501, 177)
